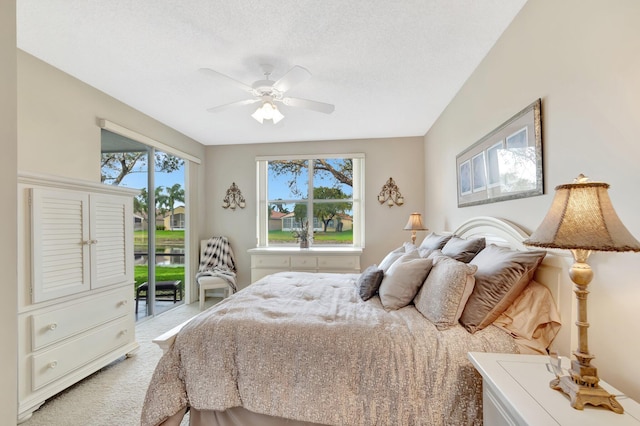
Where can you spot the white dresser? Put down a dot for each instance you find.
(265, 261)
(515, 390)
(75, 283)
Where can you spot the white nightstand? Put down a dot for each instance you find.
(515, 390)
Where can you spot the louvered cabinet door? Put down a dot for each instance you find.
(60, 243)
(111, 240)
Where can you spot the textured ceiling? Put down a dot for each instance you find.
(389, 67)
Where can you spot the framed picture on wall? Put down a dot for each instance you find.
(464, 177)
(479, 172)
(493, 164)
(506, 163)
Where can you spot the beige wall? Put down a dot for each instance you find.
(582, 58)
(58, 122)
(8, 245)
(400, 158)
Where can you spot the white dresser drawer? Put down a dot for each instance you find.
(304, 263)
(270, 262)
(339, 263)
(317, 259)
(53, 326)
(55, 363)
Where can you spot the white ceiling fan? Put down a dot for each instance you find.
(269, 93)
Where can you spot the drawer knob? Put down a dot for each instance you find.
(53, 364)
(124, 332)
(53, 326)
(124, 302)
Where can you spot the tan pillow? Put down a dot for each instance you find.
(532, 319)
(403, 280)
(445, 291)
(501, 276)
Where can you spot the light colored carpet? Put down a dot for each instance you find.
(115, 394)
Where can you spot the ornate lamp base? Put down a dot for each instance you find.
(584, 394)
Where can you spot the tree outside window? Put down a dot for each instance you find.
(318, 191)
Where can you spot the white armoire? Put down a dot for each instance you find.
(75, 283)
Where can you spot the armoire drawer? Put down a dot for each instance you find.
(53, 326)
(54, 363)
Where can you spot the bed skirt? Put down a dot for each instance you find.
(236, 416)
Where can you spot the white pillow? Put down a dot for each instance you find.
(394, 255)
(403, 280)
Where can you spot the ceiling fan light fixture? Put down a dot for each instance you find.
(267, 111)
(258, 115)
(277, 116)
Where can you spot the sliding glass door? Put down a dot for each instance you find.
(159, 218)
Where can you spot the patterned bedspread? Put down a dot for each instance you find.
(305, 346)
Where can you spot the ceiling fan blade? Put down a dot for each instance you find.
(237, 83)
(293, 77)
(232, 104)
(312, 105)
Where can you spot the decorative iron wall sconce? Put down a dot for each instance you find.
(233, 198)
(390, 194)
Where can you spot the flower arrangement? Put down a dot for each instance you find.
(302, 235)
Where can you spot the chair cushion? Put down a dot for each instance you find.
(212, 282)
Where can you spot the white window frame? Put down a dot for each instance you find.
(262, 176)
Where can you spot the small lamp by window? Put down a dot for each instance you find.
(414, 224)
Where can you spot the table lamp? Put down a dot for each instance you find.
(582, 219)
(414, 224)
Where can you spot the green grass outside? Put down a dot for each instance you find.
(163, 273)
(344, 237)
(141, 237)
(174, 237)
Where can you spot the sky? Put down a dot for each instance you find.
(278, 187)
(138, 179)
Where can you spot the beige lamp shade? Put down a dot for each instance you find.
(415, 223)
(582, 217)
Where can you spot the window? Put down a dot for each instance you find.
(321, 193)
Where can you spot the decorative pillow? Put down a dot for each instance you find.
(369, 282)
(532, 319)
(445, 291)
(502, 275)
(394, 255)
(426, 252)
(434, 241)
(403, 280)
(462, 249)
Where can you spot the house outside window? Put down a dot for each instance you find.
(324, 191)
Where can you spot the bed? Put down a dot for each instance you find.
(307, 349)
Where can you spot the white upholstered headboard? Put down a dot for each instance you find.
(553, 272)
